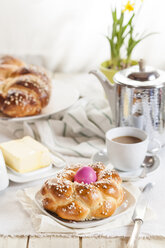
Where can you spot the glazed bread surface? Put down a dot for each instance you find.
(24, 89)
(78, 201)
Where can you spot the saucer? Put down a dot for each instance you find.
(101, 156)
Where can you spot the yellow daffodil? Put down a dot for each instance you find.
(129, 6)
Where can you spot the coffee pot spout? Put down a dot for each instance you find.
(109, 90)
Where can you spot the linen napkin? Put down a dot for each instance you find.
(78, 131)
(44, 224)
(81, 130)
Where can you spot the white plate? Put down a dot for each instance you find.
(31, 176)
(61, 99)
(128, 205)
(102, 156)
(31, 173)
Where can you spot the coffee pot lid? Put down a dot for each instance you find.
(140, 76)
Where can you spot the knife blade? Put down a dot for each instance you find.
(139, 214)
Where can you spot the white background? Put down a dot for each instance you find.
(69, 35)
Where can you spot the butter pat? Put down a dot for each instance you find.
(25, 155)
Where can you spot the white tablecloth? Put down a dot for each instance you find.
(13, 217)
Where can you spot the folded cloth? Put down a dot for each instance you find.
(79, 131)
(44, 224)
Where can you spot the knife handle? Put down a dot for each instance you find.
(133, 241)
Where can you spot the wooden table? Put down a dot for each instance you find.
(53, 242)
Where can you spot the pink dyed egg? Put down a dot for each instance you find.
(86, 175)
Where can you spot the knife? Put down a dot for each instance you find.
(138, 215)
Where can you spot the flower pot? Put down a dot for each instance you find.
(110, 72)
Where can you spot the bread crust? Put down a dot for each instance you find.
(24, 89)
(78, 201)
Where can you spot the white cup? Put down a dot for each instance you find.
(126, 157)
(4, 180)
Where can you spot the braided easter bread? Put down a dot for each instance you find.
(24, 89)
(78, 201)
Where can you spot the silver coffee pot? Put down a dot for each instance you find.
(137, 98)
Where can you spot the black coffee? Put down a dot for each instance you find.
(127, 140)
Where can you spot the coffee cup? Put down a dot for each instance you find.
(126, 147)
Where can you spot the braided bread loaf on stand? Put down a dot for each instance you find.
(79, 201)
(24, 89)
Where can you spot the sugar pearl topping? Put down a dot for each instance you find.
(76, 200)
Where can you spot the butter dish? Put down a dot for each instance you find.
(56, 165)
(27, 160)
(32, 176)
(25, 155)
